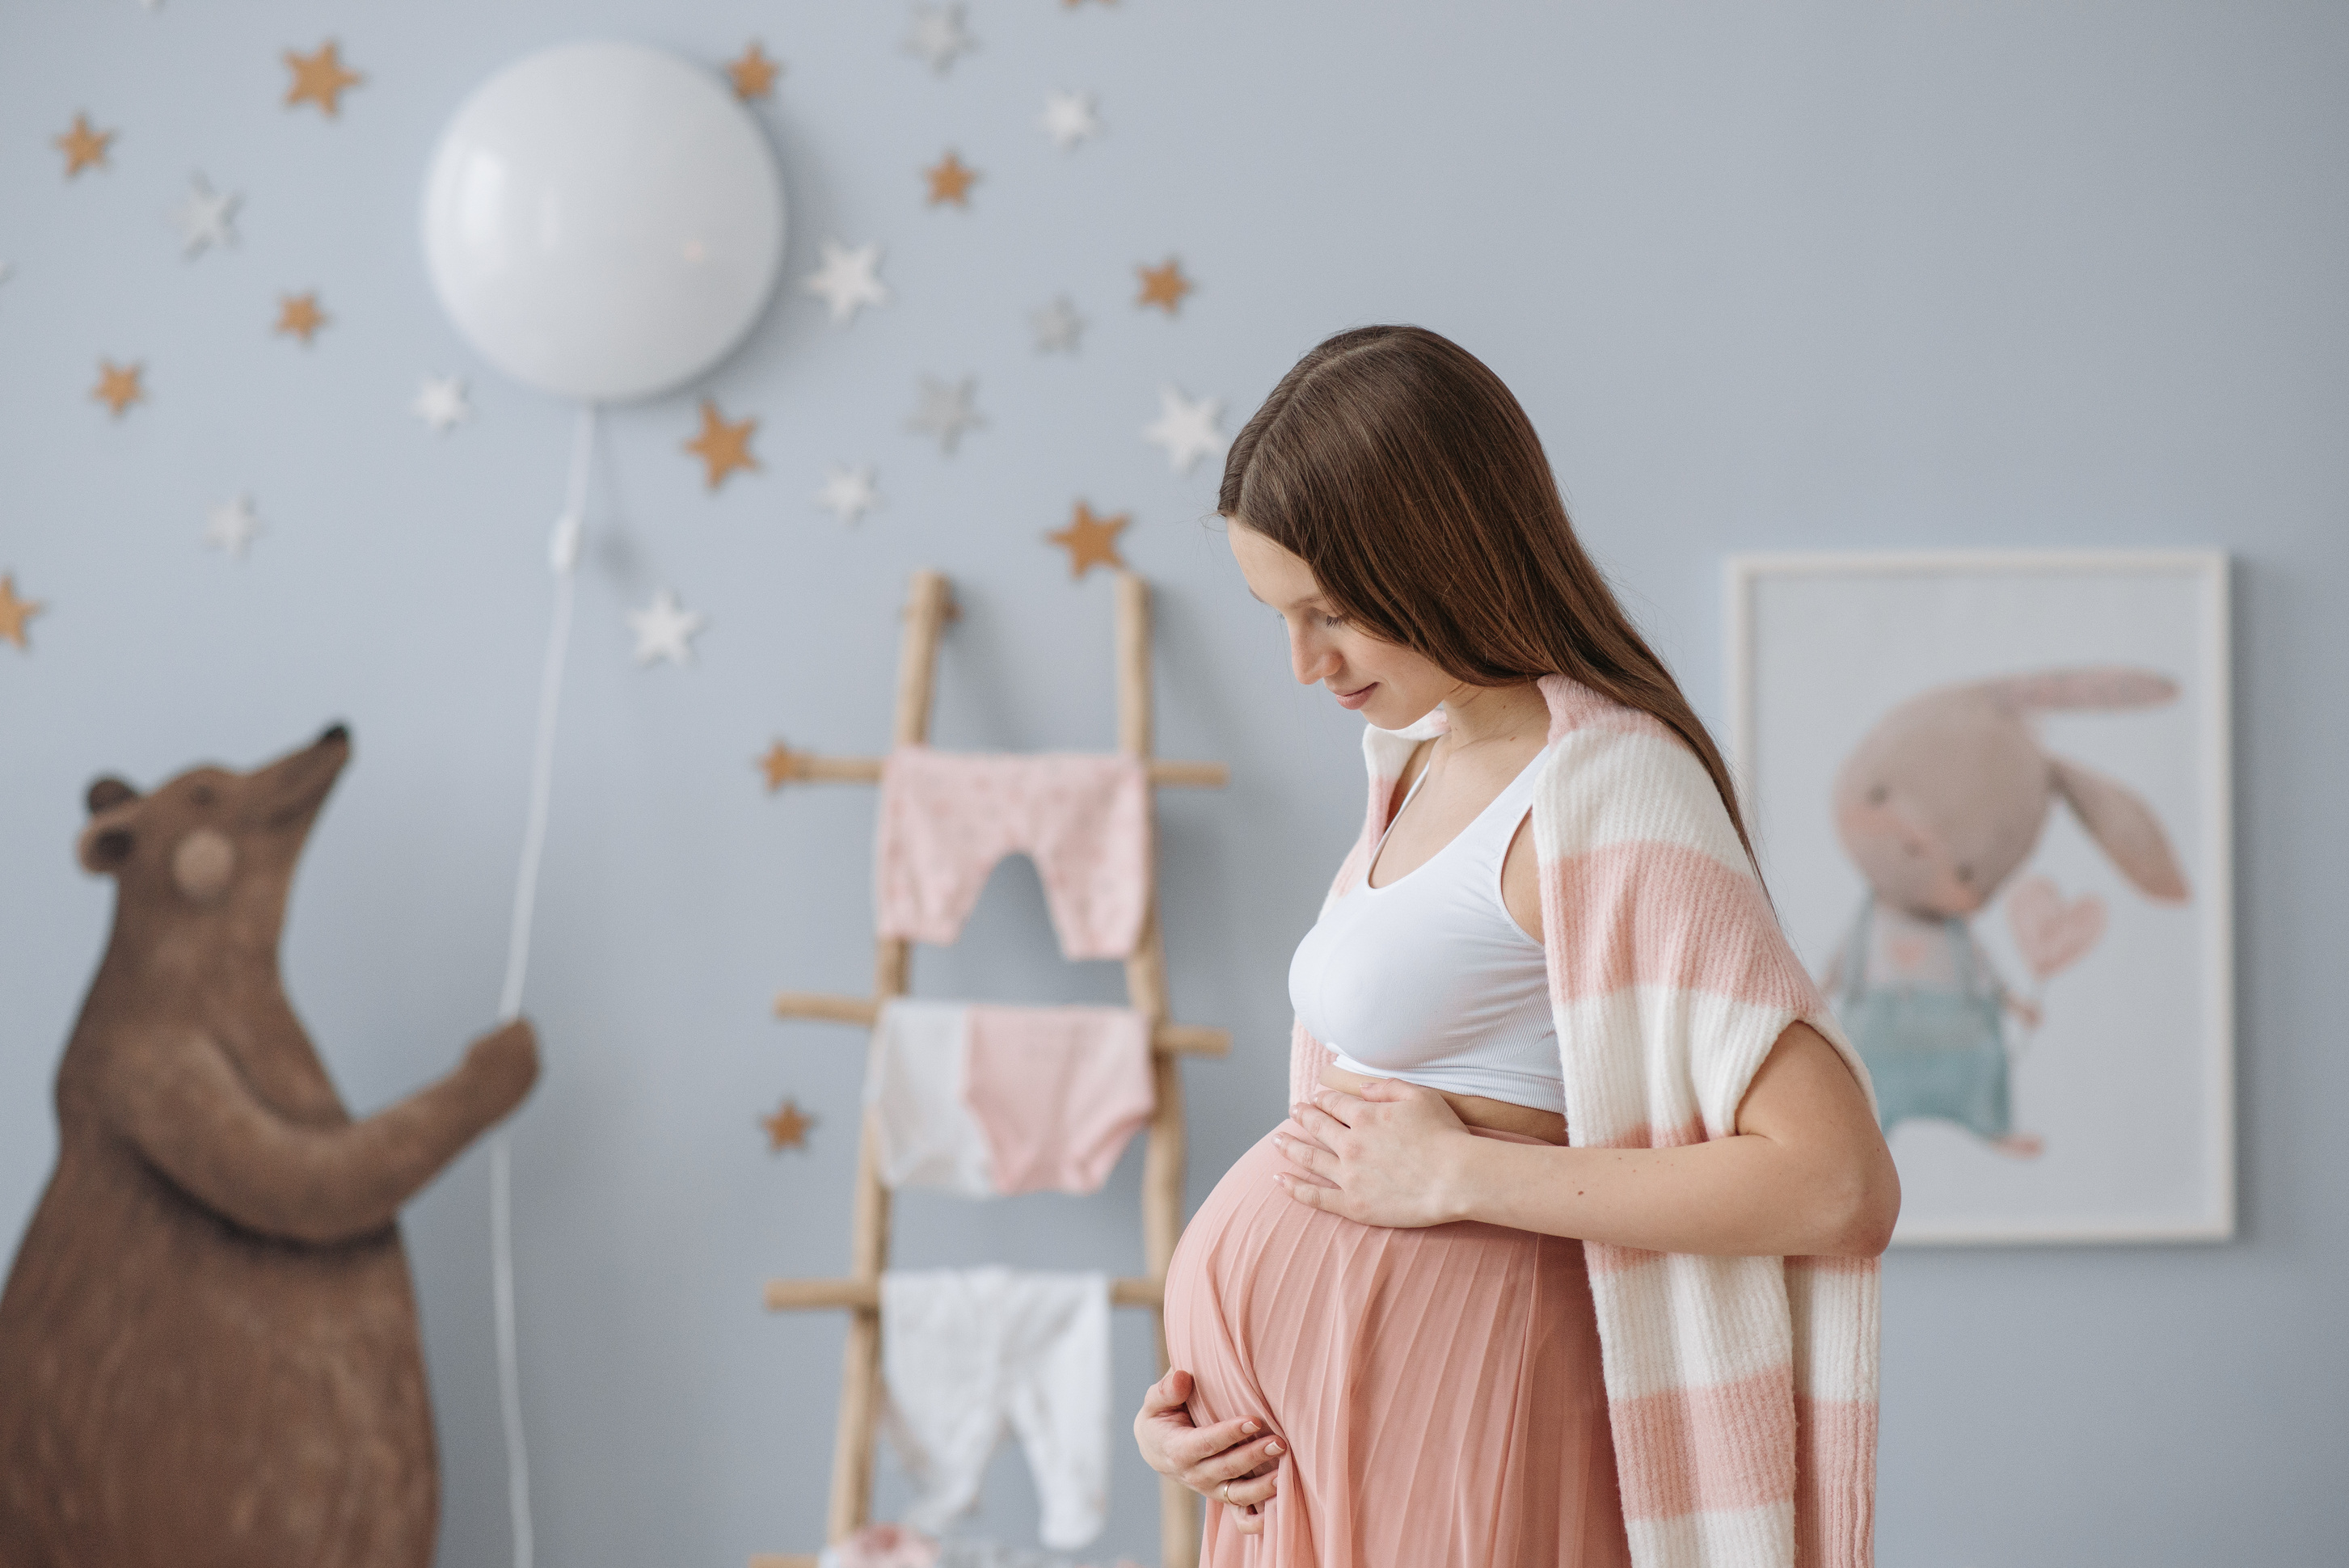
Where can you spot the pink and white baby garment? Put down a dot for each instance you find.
(968, 1353)
(881, 1546)
(947, 816)
(988, 1100)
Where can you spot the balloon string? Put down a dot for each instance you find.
(508, 1374)
(563, 556)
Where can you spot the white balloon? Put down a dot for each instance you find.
(603, 221)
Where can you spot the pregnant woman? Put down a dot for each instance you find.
(1566, 1252)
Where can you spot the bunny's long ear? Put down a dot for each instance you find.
(2093, 687)
(2125, 827)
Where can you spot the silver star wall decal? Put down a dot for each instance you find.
(665, 629)
(1187, 429)
(205, 218)
(848, 494)
(939, 36)
(231, 526)
(848, 279)
(1069, 119)
(945, 411)
(1057, 326)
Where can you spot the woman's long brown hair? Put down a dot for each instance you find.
(1401, 469)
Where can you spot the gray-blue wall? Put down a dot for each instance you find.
(1796, 275)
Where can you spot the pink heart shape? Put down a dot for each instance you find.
(2050, 933)
(1908, 954)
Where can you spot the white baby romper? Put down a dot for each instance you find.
(966, 1353)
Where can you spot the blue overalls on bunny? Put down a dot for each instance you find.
(1930, 1049)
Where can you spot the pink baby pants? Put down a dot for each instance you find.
(947, 816)
(1057, 1092)
(986, 1101)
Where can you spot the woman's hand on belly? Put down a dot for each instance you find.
(1232, 1462)
(1494, 1115)
(1392, 1154)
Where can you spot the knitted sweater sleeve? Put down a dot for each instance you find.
(1741, 1390)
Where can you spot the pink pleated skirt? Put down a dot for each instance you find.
(1438, 1390)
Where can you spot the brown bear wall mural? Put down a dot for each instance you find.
(208, 1348)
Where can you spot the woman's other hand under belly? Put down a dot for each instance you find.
(1496, 1115)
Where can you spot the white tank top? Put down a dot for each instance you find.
(1430, 979)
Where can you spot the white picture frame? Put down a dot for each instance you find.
(2127, 1081)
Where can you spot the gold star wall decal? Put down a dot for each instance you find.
(787, 1127)
(15, 612)
(753, 74)
(1092, 541)
(83, 146)
(118, 386)
(319, 79)
(1164, 286)
(780, 764)
(299, 316)
(950, 180)
(722, 447)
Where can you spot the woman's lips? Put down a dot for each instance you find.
(1354, 699)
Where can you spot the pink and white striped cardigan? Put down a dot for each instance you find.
(1741, 1392)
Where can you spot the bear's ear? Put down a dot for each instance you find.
(105, 850)
(107, 793)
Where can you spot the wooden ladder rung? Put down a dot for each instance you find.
(1168, 1039)
(864, 1295)
(788, 767)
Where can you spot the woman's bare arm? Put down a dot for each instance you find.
(1804, 1173)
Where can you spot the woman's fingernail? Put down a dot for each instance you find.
(1272, 1447)
(1248, 1427)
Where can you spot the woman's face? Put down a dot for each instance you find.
(1385, 682)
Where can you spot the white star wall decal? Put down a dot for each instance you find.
(938, 36)
(1069, 119)
(1057, 326)
(205, 218)
(231, 526)
(945, 411)
(1185, 429)
(665, 629)
(440, 402)
(848, 279)
(848, 494)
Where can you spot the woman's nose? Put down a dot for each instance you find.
(1310, 660)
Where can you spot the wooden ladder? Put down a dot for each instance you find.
(930, 606)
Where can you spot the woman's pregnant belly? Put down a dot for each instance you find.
(1438, 1389)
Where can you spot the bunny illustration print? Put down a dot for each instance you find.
(1939, 806)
